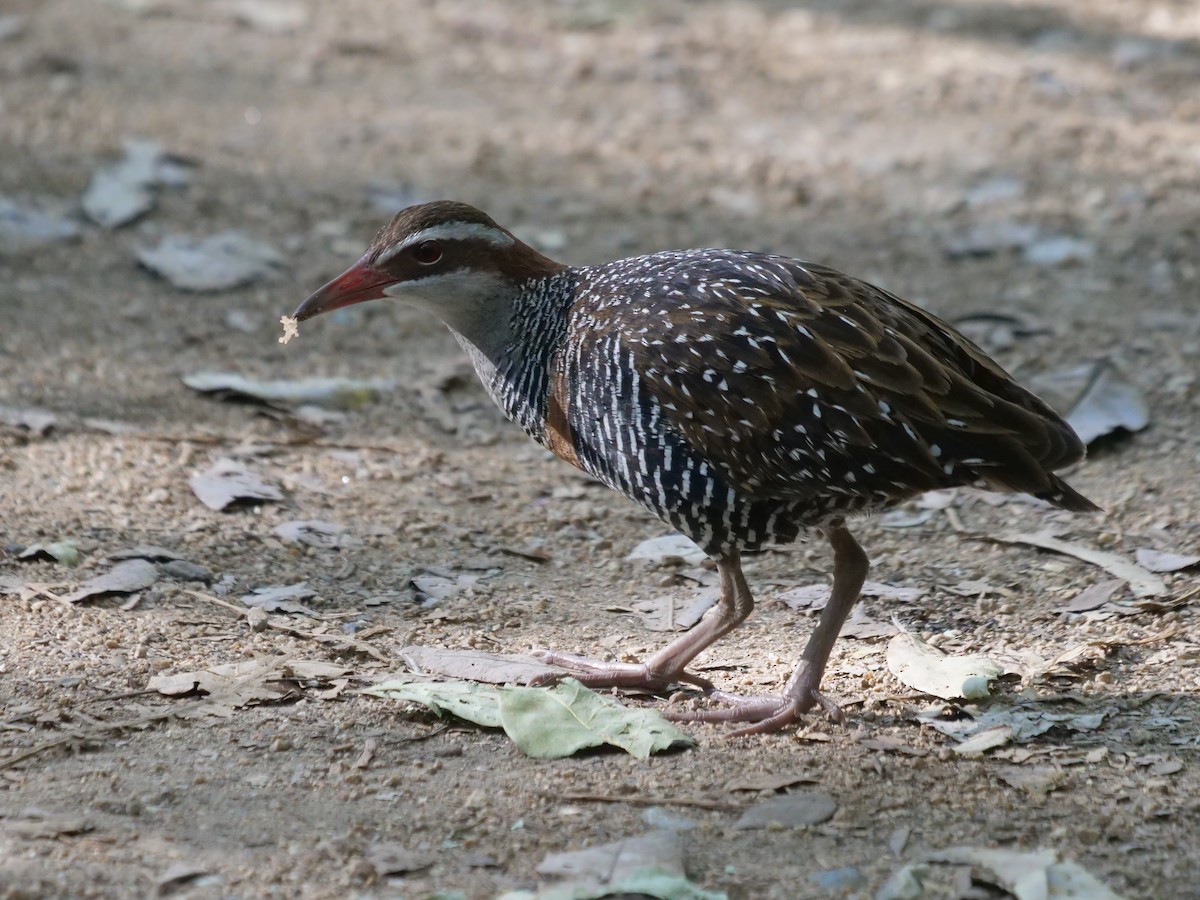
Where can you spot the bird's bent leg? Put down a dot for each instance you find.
(668, 664)
(802, 691)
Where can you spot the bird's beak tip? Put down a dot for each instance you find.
(359, 283)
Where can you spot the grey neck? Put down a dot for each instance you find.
(512, 352)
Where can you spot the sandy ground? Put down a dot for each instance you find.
(877, 137)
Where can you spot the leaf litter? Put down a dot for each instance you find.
(282, 598)
(227, 481)
(645, 865)
(476, 665)
(676, 613)
(1027, 875)
(218, 262)
(126, 577)
(65, 552)
(545, 723)
(37, 422)
(1095, 398)
(1142, 582)
(123, 191)
(931, 671)
(327, 392)
(667, 549)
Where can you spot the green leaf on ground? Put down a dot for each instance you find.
(548, 723)
(544, 722)
(478, 703)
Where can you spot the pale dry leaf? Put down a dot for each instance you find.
(218, 262)
(676, 613)
(929, 670)
(328, 392)
(790, 811)
(123, 191)
(475, 665)
(647, 865)
(982, 741)
(1158, 561)
(283, 598)
(816, 596)
(668, 548)
(152, 552)
(27, 228)
(1025, 722)
(1142, 582)
(1093, 596)
(65, 552)
(390, 858)
(768, 781)
(125, 577)
(228, 481)
(1095, 398)
(861, 626)
(232, 684)
(36, 421)
(315, 533)
(1036, 780)
(1027, 875)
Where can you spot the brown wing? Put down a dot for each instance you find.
(797, 380)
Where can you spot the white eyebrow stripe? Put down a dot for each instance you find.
(449, 231)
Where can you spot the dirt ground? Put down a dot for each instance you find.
(903, 142)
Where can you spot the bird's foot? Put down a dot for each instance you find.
(597, 674)
(764, 714)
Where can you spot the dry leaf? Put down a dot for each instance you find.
(281, 598)
(674, 613)
(390, 858)
(816, 596)
(982, 741)
(1143, 583)
(227, 481)
(314, 533)
(123, 191)
(234, 684)
(331, 393)
(124, 578)
(219, 262)
(861, 626)
(1093, 597)
(24, 229)
(768, 781)
(1157, 561)
(668, 548)
(1036, 875)
(791, 811)
(475, 665)
(1095, 399)
(647, 865)
(35, 421)
(1037, 780)
(152, 552)
(929, 670)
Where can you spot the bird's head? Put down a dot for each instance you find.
(445, 257)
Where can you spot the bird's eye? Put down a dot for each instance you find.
(427, 252)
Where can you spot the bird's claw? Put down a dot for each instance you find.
(764, 715)
(598, 674)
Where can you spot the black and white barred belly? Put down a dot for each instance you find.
(621, 438)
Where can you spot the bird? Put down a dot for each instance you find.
(746, 399)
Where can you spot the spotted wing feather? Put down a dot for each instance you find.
(795, 381)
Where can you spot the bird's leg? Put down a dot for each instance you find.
(802, 691)
(668, 664)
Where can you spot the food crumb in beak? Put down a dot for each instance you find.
(291, 328)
